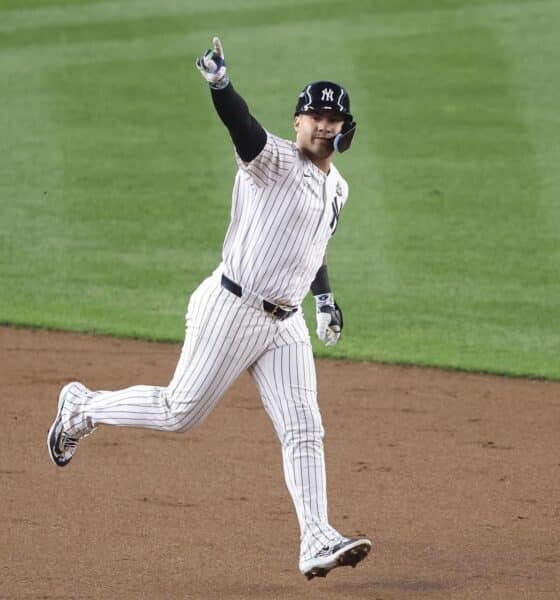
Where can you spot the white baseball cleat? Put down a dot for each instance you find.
(345, 553)
(60, 444)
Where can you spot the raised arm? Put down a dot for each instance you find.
(247, 134)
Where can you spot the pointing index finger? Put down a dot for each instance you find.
(218, 49)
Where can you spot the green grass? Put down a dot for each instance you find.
(116, 174)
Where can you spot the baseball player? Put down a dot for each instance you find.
(247, 315)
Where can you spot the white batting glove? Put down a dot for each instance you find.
(212, 66)
(329, 319)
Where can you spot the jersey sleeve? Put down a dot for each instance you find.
(273, 162)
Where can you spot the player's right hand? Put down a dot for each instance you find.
(212, 66)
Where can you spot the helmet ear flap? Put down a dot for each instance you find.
(343, 140)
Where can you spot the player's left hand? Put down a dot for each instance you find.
(212, 65)
(329, 319)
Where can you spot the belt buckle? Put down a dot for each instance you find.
(282, 311)
(278, 311)
(275, 312)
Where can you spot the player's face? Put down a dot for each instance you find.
(315, 133)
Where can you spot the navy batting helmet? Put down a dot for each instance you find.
(326, 95)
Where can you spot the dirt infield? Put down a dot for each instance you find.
(455, 477)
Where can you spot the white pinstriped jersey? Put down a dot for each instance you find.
(284, 211)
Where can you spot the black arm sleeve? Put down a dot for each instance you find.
(247, 134)
(321, 284)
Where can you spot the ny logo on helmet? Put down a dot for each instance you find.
(327, 95)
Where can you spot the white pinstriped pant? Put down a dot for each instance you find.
(226, 336)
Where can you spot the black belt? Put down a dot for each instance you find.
(276, 310)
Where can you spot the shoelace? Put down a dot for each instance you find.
(67, 442)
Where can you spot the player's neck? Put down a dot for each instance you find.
(324, 164)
